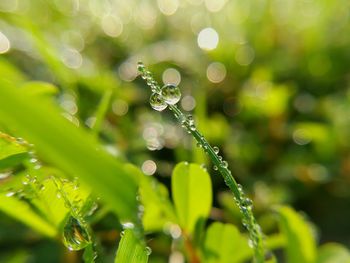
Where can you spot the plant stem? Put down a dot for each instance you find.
(244, 203)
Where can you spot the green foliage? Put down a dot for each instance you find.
(225, 244)
(272, 93)
(333, 252)
(301, 246)
(130, 249)
(69, 147)
(192, 194)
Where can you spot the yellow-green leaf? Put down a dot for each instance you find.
(192, 194)
(301, 246)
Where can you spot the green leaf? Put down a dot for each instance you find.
(158, 208)
(225, 244)
(89, 254)
(301, 245)
(130, 249)
(10, 72)
(333, 252)
(22, 212)
(39, 88)
(70, 148)
(192, 194)
(11, 152)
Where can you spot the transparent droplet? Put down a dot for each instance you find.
(171, 94)
(190, 120)
(199, 145)
(140, 66)
(157, 102)
(148, 251)
(215, 168)
(192, 128)
(224, 164)
(247, 202)
(75, 234)
(10, 193)
(128, 225)
(216, 149)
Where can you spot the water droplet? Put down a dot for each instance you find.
(250, 243)
(10, 193)
(190, 120)
(215, 168)
(58, 195)
(247, 202)
(199, 145)
(122, 233)
(192, 128)
(148, 251)
(224, 164)
(171, 94)
(140, 66)
(75, 234)
(216, 149)
(157, 102)
(239, 186)
(128, 225)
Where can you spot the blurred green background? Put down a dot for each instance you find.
(267, 81)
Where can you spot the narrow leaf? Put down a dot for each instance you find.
(23, 213)
(130, 249)
(68, 147)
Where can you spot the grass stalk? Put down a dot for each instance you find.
(244, 203)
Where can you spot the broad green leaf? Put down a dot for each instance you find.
(192, 194)
(70, 148)
(158, 208)
(130, 249)
(11, 152)
(301, 246)
(24, 213)
(225, 244)
(333, 252)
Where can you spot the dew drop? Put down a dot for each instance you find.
(247, 202)
(190, 120)
(171, 94)
(128, 225)
(157, 102)
(75, 234)
(148, 251)
(250, 243)
(216, 149)
(224, 164)
(140, 66)
(10, 193)
(215, 168)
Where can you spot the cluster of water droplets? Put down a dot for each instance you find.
(160, 98)
(76, 233)
(170, 95)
